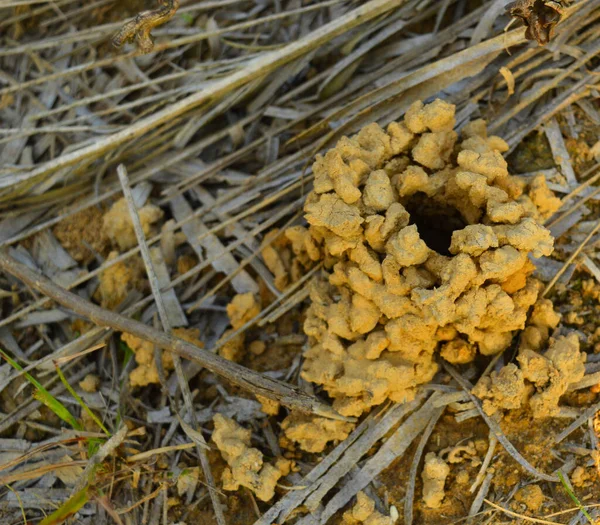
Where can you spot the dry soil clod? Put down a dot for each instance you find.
(539, 380)
(246, 465)
(313, 433)
(364, 512)
(147, 372)
(118, 226)
(241, 309)
(435, 472)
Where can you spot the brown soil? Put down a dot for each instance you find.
(532, 154)
(82, 231)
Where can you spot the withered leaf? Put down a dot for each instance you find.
(139, 28)
(540, 17)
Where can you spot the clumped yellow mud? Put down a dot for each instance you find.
(426, 240)
(313, 433)
(90, 383)
(289, 254)
(118, 280)
(539, 380)
(435, 472)
(241, 309)
(81, 231)
(147, 372)
(246, 465)
(119, 228)
(532, 496)
(364, 512)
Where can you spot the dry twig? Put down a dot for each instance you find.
(238, 375)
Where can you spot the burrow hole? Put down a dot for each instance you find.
(434, 222)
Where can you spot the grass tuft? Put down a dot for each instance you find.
(45, 397)
(575, 499)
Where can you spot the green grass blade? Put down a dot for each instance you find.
(20, 502)
(45, 397)
(574, 498)
(128, 353)
(69, 508)
(80, 401)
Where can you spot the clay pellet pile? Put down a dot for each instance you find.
(427, 240)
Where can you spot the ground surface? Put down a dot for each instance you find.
(217, 128)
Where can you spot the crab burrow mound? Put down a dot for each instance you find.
(426, 240)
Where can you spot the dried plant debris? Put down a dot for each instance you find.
(539, 16)
(426, 239)
(139, 28)
(247, 467)
(146, 372)
(596, 453)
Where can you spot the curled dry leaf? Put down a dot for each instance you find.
(540, 17)
(509, 79)
(139, 28)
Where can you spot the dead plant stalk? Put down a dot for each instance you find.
(247, 379)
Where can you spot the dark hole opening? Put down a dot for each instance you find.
(435, 222)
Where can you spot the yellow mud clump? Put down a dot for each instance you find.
(540, 380)
(90, 383)
(542, 197)
(425, 239)
(435, 472)
(242, 308)
(532, 496)
(118, 280)
(146, 372)
(505, 389)
(246, 465)
(313, 433)
(289, 254)
(268, 406)
(119, 228)
(364, 512)
(552, 372)
(185, 263)
(81, 230)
